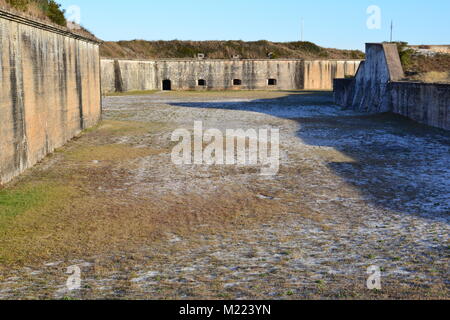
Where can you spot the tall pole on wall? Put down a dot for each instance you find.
(392, 30)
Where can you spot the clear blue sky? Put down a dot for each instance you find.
(330, 23)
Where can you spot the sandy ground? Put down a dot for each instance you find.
(353, 190)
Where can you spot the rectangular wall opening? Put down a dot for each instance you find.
(167, 85)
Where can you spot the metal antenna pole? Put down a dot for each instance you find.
(392, 30)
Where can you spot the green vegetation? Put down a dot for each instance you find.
(140, 49)
(405, 54)
(14, 202)
(43, 8)
(432, 68)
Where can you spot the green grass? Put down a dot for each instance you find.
(14, 202)
(222, 50)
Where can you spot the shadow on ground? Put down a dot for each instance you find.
(397, 164)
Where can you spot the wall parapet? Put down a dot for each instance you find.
(49, 90)
(22, 19)
(219, 74)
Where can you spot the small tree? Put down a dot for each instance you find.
(405, 54)
(49, 8)
(54, 12)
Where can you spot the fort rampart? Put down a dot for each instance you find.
(49, 90)
(141, 75)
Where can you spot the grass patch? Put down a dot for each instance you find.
(432, 77)
(110, 152)
(25, 213)
(131, 93)
(14, 202)
(127, 128)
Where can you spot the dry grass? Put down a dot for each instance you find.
(221, 232)
(33, 9)
(114, 128)
(424, 64)
(110, 152)
(141, 49)
(78, 208)
(432, 77)
(131, 93)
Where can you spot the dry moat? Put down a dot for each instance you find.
(353, 190)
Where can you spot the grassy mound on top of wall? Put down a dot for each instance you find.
(433, 68)
(48, 10)
(140, 49)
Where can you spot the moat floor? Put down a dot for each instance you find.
(354, 190)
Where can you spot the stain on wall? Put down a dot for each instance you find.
(136, 75)
(319, 74)
(49, 90)
(427, 103)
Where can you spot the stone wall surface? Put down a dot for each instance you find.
(344, 91)
(49, 90)
(427, 103)
(134, 75)
(376, 88)
(319, 74)
(369, 92)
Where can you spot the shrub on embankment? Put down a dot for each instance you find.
(431, 68)
(43, 9)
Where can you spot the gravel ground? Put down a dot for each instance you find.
(353, 190)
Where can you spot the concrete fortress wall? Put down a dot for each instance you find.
(49, 90)
(136, 75)
(319, 74)
(376, 88)
(427, 103)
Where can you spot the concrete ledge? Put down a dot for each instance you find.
(22, 19)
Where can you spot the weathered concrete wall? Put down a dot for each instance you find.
(132, 75)
(426, 103)
(381, 66)
(319, 74)
(49, 90)
(344, 91)
(376, 89)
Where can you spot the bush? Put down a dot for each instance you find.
(405, 54)
(49, 8)
(54, 12)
